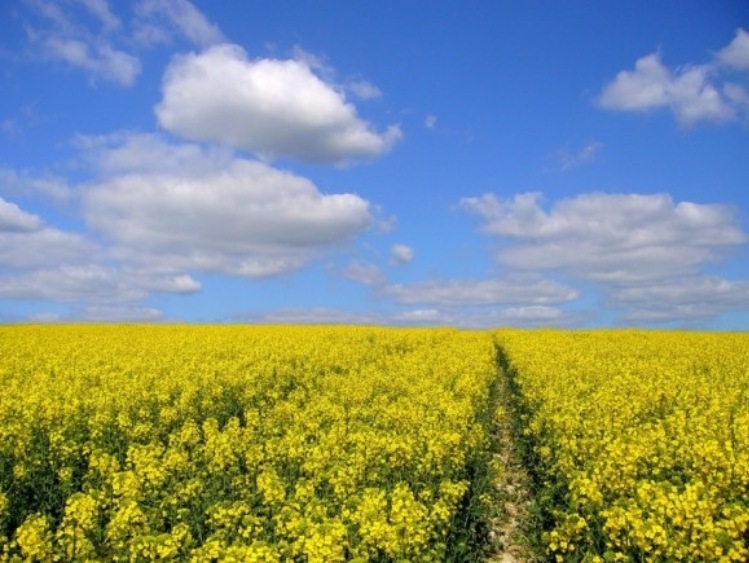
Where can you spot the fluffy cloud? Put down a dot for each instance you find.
(646, 254)
(401, 254)
(270, 107)
(91, 283)
(692, 92)
(25, 184)
(125, 153)
(242, 217)
(687, 93)
(609, 237)
(459, 293)
(43, 246)
(12, 218)
(736, 54)
(685, 299)
(40, 262)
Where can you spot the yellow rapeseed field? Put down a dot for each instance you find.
(638, 441)
(124, 443)
(324, 444)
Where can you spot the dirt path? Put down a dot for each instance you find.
(509, 534)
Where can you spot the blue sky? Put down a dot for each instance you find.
(475, 164)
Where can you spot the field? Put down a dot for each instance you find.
(638, 442)
(369, 444)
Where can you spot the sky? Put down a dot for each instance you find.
(475, 164)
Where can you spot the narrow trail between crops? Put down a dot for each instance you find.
(510, 530)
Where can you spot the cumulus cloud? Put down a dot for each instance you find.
(91, 283)
(646, 254)
(683, 299)
(26, 184)
(401, 254)
(461, 293)
(158, 19)
(364, 273)
(609, 237)
(40, 262)
(12, 218)
(687, 93)
(240, 217)
(693, 92)
(127, 152)
(42, 246)
(270, 107)
(736, 53)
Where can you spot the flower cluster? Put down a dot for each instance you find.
(122, 443)
(639, 441)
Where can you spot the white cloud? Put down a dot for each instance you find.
(270, 107)
(401, 254)
(119, 314)
(91, 283)
(736, 54)
(521, 316)
(693, 92)
(314, 315)
(687, 93)
(102, 313)
(572, 159)
(691, 298)
(364, 273)
(430, 121)
(12, 218)
(157, 18)
(460, 293)
(60, 36)
(363, 89)
(64, 34)
(100, 59)
(43, 246)
(25, 184)
(609, 237)
(126, 153)
(512, 316)
(237, 217)
(38, 262)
